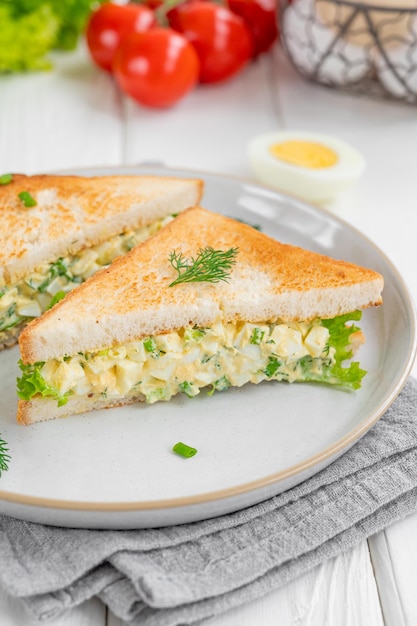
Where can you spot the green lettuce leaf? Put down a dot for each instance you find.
(72, 16)
(340, 332)
(26, 39)
(33, 383)
(30, 29)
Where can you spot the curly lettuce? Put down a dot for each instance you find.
(30, 29)
(340, 331)
(32, 383)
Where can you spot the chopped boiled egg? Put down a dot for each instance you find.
(185, 361)
(312, 166)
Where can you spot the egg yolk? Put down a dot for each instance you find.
(304, 154)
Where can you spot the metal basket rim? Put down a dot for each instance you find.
(363, 6)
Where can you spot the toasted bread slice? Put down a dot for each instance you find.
(270, 283)
(72, 215)
(132, 298)
(75, 212)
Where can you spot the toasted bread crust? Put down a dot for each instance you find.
(43, 409)
(132, 299)
(74, 212)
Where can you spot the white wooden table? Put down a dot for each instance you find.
(74, 117)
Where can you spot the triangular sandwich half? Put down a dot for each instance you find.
(138, 331)
(55, 231)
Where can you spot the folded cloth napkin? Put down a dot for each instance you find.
(185, 574)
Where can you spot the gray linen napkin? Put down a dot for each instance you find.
(184, 574)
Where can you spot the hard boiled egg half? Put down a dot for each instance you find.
(312, 166)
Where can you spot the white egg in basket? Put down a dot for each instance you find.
(317, 51)
(397, 66)
(312, 166)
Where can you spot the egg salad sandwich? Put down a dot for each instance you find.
(206, 303)
(56, 231)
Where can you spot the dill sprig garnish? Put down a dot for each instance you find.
(211, 266)
(4, 457)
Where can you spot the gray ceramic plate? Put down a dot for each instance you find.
(115, 468)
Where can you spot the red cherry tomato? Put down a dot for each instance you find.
(110, 24)
(261, 18)
(154, 4)
(156, 68)
(221, 38)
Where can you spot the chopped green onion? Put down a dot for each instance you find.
(222, 384)
(156, 394)
(194, 334)
(183, 450)
(189, 389)
(60, 295)
(149, 344)
(257, 336)
(272, 366)
(58, 268)
(5, 179)
(27, 199)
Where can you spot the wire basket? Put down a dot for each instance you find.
(368, 48)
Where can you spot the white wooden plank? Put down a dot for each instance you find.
(91, 613)
(209, 129)
(393, 554)
(68, 117)
(341, 591)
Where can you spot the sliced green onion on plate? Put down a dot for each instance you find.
(184, 450)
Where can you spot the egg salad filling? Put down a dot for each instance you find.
(31, 296)
(188, 360)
